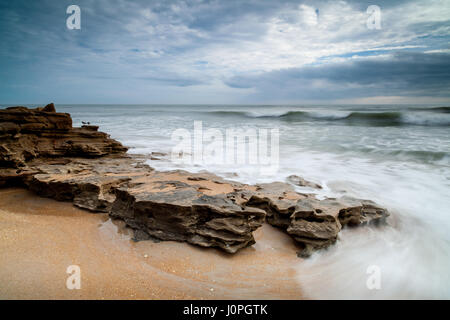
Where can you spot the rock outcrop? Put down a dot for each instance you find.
(299, 181)
(26, 134)
(313, 223)
(40, 149)
(201, 209)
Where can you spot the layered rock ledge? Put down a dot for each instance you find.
(26, 134)
(41, 150)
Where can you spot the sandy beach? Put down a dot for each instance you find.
(41, 237)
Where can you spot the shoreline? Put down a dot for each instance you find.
(41, 237)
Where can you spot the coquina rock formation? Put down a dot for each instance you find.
(41, 150)
(32, 133)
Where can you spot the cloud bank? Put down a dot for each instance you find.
(224, 52)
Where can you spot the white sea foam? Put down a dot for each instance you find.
(412, 251)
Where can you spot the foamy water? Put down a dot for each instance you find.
(396, 156)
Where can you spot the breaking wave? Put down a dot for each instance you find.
(392, 118)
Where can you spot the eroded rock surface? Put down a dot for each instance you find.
(299, 181)
(313, 223)
(26, 134)
(201, 209)
(40, 149)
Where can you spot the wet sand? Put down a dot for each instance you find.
(40, 238)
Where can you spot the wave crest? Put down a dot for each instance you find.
(390, 118)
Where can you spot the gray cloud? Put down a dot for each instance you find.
(412, 73)
(260, 49)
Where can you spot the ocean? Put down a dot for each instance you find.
(397, 156)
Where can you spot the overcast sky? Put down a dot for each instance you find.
(224, 51)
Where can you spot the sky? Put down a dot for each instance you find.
(224, 52)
